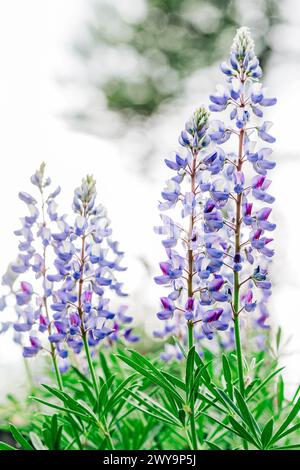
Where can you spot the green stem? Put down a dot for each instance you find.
(90, 364)
(236, 292)
(56, 369)
(238, 346)
(192, 413)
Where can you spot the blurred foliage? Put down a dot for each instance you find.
(136, 55)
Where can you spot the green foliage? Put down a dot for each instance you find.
(143, 403)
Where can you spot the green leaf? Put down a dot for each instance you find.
(290, 417)
(210, 402)
(88, 392)
(70, 402)
(154, 406)
(278, 338)
(4, 446)
(267, 432)
(296, 394)
(280, 393)
(227, 375)
(83, 416)
(19, 438)
(118, 394)
(251, 385)
(181, 415)
(106, 370)
(242, 432)
(224, 399)
(56, 433)
(213, 446)
(290, 447)
(236, 430)
(36, 441)
(189, 376)
(263, 383)
(199, 362)
(175, 381)
(290, 431)
(246, 413)
(151, 373)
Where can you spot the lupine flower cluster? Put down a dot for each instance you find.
(66, 273)
(217, 262)
(191, 269)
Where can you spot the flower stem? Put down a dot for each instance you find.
(236, 292)
(56, 369)
(238, 346)
(90, 363)
(192, 412)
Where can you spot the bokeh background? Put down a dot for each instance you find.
(104, 87)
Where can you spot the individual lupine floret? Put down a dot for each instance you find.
(187, 268)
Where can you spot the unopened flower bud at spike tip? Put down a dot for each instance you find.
(243, 43)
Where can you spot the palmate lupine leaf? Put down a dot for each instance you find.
(243, 433)
(236, 429)
(71, 403)
(83, 416)
(153, 408)
(118, 393)
(144, 367)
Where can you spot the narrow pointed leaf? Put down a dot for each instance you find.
(267, 432)
(19, 438)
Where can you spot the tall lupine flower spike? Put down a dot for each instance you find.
(244, 213)
(71, 267)
(87, 262)
(191, 302)
(32, 293)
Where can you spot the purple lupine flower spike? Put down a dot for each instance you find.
(73, 270)
(87, 263)
(243, 176)
(188, 272)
